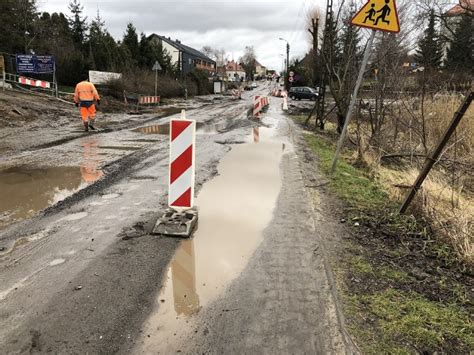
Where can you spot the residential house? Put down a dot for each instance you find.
(186, 58)
(452, 18)
(260, 70)
(234, 71)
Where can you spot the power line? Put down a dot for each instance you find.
(296, 23)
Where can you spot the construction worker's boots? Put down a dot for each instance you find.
(86, 126)
(91, 126)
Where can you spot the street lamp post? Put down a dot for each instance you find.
(287, 61)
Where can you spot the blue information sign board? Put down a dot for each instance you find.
(44, 64)
(36, 64)
(25, 63)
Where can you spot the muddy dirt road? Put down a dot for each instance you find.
(80, 273)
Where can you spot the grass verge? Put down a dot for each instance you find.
(403, 290)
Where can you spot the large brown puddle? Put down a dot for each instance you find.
(234, 209)
(25, 190)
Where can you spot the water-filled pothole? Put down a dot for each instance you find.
(27, 190)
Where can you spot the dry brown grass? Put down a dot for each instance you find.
(449, 211)
(439, 111)
(446, 199)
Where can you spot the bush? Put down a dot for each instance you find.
(142, 82)
(200, 80)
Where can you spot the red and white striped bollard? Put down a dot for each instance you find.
(182, 157)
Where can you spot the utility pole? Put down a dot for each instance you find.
(324, 54)
(314, 33)
(287, 63)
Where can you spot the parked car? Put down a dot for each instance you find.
(254, 85)
(303, 92)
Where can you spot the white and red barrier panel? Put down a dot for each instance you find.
(182, 153)
(236, 93)
(257, 106)
(259, 103)
(35, 83)
(276, 92)
(149, 100)
(285, 101)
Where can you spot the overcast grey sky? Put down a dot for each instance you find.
(226, 24)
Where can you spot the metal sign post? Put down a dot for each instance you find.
(378, 15)
(55, 81)
(2, 69)
(156, 67)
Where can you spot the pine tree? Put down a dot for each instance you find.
(103, 52)
(429, 53)
(461, 51)
(10, 30)
(77, 23)
(164, 58)
(17, 30)
(348, 53)
(345, 63)
(148, 52)
(97, 55)
(54, 38)
(130, 40)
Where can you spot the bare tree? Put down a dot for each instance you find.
(249, 61)
(314, 22)
(341, 54)
(208, 51)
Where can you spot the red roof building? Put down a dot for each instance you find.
(463, 7)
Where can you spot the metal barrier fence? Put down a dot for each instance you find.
(32, 84)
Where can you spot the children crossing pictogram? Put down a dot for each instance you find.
(384, 12)
(379, 15)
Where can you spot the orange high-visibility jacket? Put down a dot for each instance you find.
(85, 91)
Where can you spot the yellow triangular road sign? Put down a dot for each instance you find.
(379, 15)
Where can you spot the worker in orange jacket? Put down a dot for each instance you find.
(85, 97)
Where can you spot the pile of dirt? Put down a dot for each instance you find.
(18, 108)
